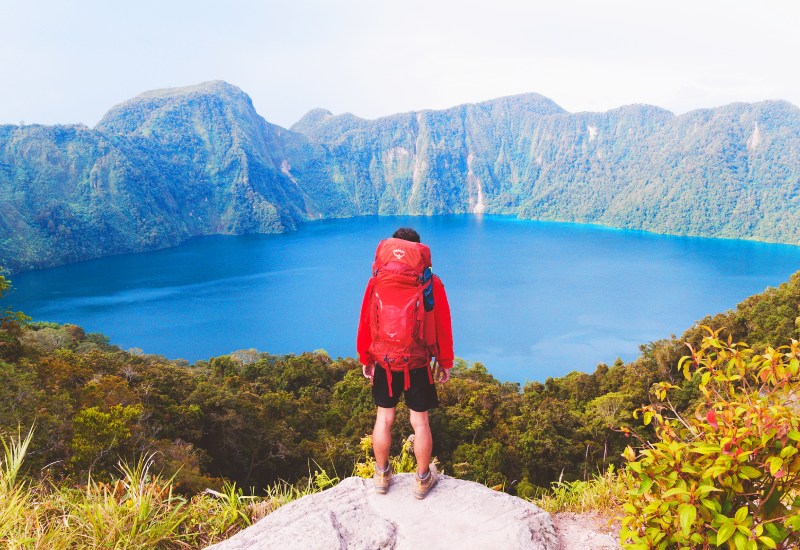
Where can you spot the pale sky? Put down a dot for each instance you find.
(67, 62)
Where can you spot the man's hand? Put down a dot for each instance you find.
(444, 375)
(368, 371)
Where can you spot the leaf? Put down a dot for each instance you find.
(775, 531)
(768, 542)
(711, 417)
(715, 471)
(687, 513)
(689, 469)
(726, 530)
(749, 472)
(706, 449)
(645, 486)
(629, 454)
(741, 514)
(775, 464)
(712, 505)
(705, 489)
(675, 491)
(740, 541)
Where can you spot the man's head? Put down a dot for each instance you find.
(407, 234)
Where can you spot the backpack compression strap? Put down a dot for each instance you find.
(406, 377)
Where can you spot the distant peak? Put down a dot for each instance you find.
(532, 101)
(311, 119)
(129, 116)
(216, 87)
(318, 112)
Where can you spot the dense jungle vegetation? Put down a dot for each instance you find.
(105, 420)
(255, 418)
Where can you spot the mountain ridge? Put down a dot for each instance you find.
(175, 163)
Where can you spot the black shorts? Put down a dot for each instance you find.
(420, 397)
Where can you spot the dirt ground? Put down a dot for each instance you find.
(586, 531)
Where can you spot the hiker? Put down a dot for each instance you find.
(404, 325)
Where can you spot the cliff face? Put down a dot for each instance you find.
(171, 164)
(727, 172)
(158, 169)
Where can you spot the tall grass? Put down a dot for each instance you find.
(14, 496)
(139, 510)
(604, 493)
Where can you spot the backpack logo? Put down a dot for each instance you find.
(399, 253)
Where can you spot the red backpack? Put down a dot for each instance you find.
(401, 308)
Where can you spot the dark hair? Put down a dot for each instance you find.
(407, 234)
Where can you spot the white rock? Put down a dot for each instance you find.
(456, 514)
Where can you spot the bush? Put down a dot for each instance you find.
(405, 463)
(727, 475)
(603, 493)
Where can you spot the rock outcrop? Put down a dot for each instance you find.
(456, 514)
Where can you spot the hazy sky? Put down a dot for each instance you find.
(64, 62)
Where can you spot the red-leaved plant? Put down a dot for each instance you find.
(728, 475)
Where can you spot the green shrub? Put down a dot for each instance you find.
(728, 474)
(405, 463)
(602, 493)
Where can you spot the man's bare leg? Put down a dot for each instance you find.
(423, 441)
(382, 436)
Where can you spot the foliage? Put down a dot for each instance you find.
(258, 420)
(14, 495)
(226, 170)
(227, 512)
(99, 434)
(404, 463)
(603, 493)
(138, 510)
(728, 474)
(11, 326)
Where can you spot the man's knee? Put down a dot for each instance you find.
(419, 420)
(384, 418)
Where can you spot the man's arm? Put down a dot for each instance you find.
(364, 336)
(444, 329)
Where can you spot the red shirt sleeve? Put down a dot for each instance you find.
(364, 337)
(444, 329)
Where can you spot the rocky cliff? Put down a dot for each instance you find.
(176, 163)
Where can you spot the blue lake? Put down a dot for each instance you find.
(529, 299)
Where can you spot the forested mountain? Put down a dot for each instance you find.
(163, 167)
(172, 164)
(727, 172)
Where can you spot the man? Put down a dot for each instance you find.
(405, 323)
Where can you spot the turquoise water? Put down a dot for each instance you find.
(529, 299)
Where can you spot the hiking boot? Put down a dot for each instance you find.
(382, 479)
(423, 486)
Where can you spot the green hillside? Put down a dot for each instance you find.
(158, 169)
(172, 164)
(256, 418)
